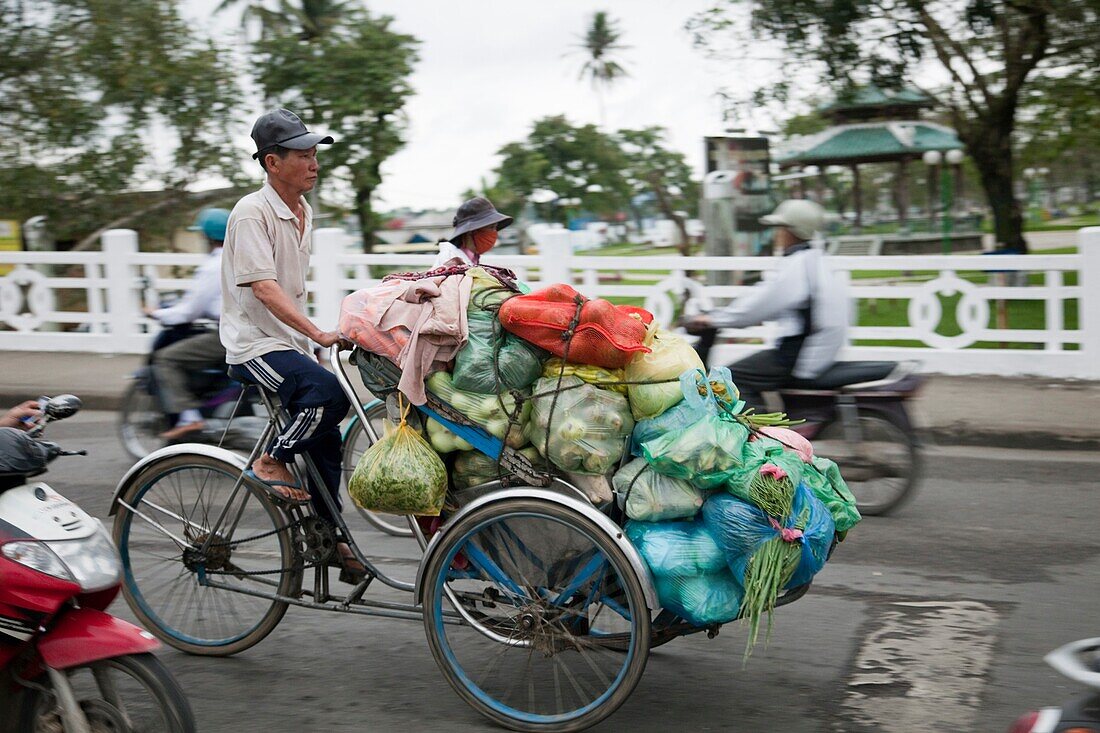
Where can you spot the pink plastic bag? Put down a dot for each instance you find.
(360, 316)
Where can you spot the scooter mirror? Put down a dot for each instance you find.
(62, 406)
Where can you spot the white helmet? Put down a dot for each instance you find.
(802, 217)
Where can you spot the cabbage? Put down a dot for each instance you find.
(668, 358)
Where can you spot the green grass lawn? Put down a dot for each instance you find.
(1019, 314)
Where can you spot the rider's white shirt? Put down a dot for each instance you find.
(802, 276)
(202, 300)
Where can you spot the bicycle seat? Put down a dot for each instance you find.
(844, 373)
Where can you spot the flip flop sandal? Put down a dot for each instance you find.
(272, 488)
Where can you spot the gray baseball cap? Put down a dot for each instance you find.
(282, 127)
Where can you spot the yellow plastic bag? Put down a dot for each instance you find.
(668, 358)
(400, 474)
(600, 377)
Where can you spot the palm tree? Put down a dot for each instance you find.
(312, 19)
(601, 42)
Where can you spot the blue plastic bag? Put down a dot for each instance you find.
(701, 600)
(676, 548)
(740, 529)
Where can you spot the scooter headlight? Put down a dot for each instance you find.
(37, 556)
(92, 562)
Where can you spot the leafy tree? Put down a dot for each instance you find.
(601, 42)
(310, 19)
(991, 51)
(653, 168)
(575, 163)
(1060, 129)
(103, 96)
(354, 81)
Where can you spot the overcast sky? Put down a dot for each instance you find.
(489, 68)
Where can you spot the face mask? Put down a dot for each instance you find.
(484, 240)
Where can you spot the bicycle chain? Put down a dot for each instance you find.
(297, 523)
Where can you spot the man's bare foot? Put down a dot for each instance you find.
(268, 469)
(180, 432)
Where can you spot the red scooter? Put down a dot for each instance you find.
(66, 664)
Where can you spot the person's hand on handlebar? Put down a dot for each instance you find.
(23, 416)
(697, 323)
(325, 339)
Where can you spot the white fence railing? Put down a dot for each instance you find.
(972, 314)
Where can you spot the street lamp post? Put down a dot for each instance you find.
(935, 159)
(952, 158)
(932, 159)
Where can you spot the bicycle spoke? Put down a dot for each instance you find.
(163, 557)
(544, 659)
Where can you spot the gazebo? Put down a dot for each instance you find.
(872, 125)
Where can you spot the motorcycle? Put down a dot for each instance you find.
(855, 414)
(230, 418)
(66, 664)
(1080, 662)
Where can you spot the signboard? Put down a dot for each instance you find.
(737, 192)
(10, 241)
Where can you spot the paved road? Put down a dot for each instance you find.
(935, 619)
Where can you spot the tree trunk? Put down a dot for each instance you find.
(667, 209)
(991, 150)
(366, 217)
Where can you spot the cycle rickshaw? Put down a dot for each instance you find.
(537, 609)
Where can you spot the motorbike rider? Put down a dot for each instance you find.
(804, 297)
(202, 301)
(476, 224)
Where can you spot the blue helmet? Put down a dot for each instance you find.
(211, 222)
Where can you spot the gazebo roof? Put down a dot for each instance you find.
(867, 142)
(871, 97)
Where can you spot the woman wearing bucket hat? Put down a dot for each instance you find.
(806, 300)
(476, 224)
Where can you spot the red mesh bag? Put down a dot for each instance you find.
(606, 335)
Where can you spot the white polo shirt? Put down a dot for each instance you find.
(262, 243)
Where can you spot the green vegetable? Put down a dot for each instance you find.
(652, 497)
(400, 474)
(443, 440)
(668, 358)
(584, 429)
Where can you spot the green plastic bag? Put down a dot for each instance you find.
(824, 480)
(400, 474)
(649, 496)
(762, 491)
(586, 429)
(517, 363)
(706, 453)
(492, 412)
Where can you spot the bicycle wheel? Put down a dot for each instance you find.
(541, 588)
(141, 420)
(129, 693)
(882, 470)
(355, 443)
(172, 505)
